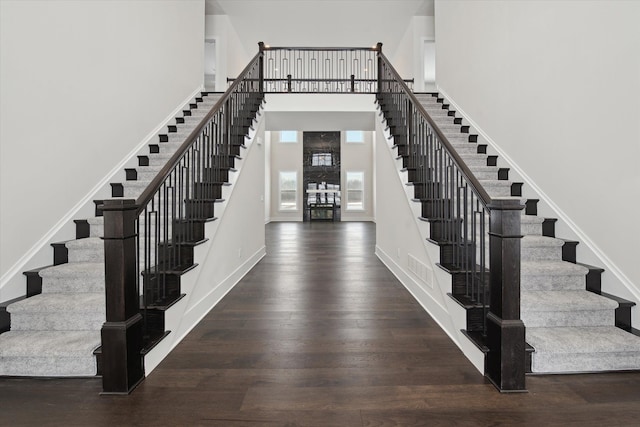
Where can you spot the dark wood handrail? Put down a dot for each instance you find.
(329, 49)
(148, 194)
(469, 176)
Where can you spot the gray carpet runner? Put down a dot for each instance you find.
(56, 332)
(570, 328)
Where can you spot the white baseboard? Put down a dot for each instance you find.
(193, 314)
(344, 218)
(580, 235)
(437, 312)
(12, 283)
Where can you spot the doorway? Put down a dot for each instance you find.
(321, 176)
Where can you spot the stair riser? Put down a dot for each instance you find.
(87, 254)
(72, 284)
(552, 319)
(544, 253)
(70, 321)
(485, 174)
(552, 283)
(531, 229)
(475, 160)
(499, 190)
(584, 362)
(48, 366)
(466, 149)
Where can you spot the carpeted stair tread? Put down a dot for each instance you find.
(541, 241)
(451, 129)
(73, 277)
(546, 268)
(59, 311)
(531, 224)
(596, 339)
(96, 226)
(583, 349)
(497, 188)
(565, 301)
(48, 353)
(465, 147)
(566, 308)
(552, 275)
(531, 219)
(90, 249)
(538, 248)
(474, 159)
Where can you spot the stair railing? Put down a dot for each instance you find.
(479, 236)
(321, 70)
(149, 241)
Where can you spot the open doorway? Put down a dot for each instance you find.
(210, 65)
(429, 64)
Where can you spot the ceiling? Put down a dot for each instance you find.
(233, 7)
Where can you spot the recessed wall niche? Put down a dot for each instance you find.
(321, 170)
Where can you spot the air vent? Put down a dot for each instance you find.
(422, 271)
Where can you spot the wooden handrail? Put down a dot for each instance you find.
(469, 176)
(328, 49)
(148, 194)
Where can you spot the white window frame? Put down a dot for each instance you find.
(288, 136)
(354, 137)
(287, 208)
(347, 191)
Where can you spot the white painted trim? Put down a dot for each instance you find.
(580, 234)
(357, 218)
(205, 305)
(87, 200)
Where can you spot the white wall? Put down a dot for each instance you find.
(231, 57)
(285, 157)
(407, 58)
(352, 23)
(83, 84)
(358, 157)
(556, 86)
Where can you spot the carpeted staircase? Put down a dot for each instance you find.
(56, 332)
(570, 328)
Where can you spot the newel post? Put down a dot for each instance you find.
(378, 49)
(122, 362)
(505, 365)
(261, 69)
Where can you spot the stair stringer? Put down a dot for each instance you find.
(432, 295)
(614, 281)
(235, 244)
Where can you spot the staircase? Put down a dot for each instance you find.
(55, 330)
(571, 325)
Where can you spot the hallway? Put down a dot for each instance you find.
(320, 333)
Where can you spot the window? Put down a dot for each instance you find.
(354, 136)
(288, 136)
(288, 191)
(355, 191)
(321, 159)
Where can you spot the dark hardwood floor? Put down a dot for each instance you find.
(320, 333)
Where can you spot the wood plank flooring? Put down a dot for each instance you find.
(320, 333)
